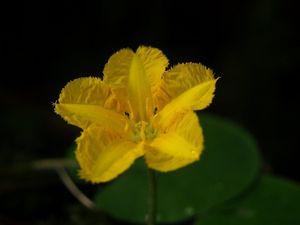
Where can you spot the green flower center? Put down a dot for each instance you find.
(143, 131)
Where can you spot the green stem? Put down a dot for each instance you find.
(151, 218)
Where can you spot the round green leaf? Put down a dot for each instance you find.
(229, 163)
(273, 201)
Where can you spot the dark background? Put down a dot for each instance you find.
(251, 45)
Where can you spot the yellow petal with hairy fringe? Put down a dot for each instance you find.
(181, 78)
(103, 154)
(196, 98)
(115, 74)
(176, 145)
(139, 92)
(116, 70)
(87, 90)
(154, 62)
(83, 101)
(185, 76)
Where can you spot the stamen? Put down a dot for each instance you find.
(143, 131)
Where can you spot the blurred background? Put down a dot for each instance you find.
(252, 45)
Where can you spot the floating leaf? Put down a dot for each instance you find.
(273, 201)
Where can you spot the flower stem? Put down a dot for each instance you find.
(151, 218)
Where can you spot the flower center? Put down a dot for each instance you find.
(143, 131)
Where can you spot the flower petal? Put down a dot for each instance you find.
(182, 77)
(185, 77)
(115, 74)
(116, 70)
(195, 98)
(85, 90)
(103, 154)
(155, 63)
(84, 101)
(139, 92)
(190, 86)
(146, 72)
(84, 115)
(177, 145)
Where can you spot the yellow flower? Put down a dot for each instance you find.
(138, 109)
